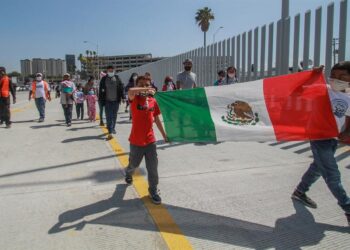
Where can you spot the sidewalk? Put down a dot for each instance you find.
(62, 188)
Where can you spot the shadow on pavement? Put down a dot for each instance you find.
(102, 176)
(84, 138)
(47, 126)
(61, 165)
(27, 121)
(82, 128)
(342, 156)
(292, 232)
(74, 121)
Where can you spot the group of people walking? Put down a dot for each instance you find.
(109, 94)
(144, 112)
(324, 163)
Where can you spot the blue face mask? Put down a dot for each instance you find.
(91, 92)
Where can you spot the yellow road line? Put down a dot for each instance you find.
(168, 229)
(17, 110)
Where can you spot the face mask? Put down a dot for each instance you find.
(134, 78)
(188, 68)
(39, 78)
(338, 85)
(110, 74)
(231, 75)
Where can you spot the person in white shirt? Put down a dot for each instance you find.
(40, 91)
(186, 79)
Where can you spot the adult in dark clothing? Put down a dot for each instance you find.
(131, 84)
(153, 84)
(6, 88)
(111, 93)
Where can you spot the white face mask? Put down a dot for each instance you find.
(39, 78)
(110, 74)
(134, 78)
(231, 75)
(338, 85)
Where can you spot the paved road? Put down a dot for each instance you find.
(62, 188)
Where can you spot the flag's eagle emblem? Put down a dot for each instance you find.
(240, 113)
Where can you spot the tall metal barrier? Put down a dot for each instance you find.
(264, 51)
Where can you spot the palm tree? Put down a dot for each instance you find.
(203, 18)
(82, 60)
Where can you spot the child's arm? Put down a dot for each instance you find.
(135, 91)
(160, 127)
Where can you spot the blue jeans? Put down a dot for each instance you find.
(325, 165)
(112, 108)
(80, 110)
(40, 105)
(101, 106)
(67, 110)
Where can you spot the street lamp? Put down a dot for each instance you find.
(98, 61)
(221, 27)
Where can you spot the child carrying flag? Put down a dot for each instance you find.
(145, 112)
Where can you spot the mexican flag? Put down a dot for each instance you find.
(292, 107)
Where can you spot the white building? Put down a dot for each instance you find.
(39, 65)
(49, 67)
(26, 67)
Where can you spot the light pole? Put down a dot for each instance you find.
(221, 27)
(98, 61)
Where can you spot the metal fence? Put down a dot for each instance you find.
(253, 59)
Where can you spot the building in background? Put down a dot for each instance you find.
(51, 68)
(120, 62)
(70, 61)
(38, 65)
(26, 67)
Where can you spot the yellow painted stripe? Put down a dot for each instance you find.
(168, 229)
(17, 110)
(343, 149)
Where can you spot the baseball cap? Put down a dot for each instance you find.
(188, 60)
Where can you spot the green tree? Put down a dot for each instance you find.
(14, 74)
(203, 18)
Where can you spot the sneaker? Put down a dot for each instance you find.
(8, 125)
(302, 197)
(69, 124)
(41, 120)
(101, 123)
(109, 137)
(126, 111)
(114, 132)
(128, 179)
(155, 197)
(1, 122)
(348, 218)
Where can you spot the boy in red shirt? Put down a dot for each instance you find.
(145, 111)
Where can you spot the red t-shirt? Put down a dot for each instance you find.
(143, 115)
